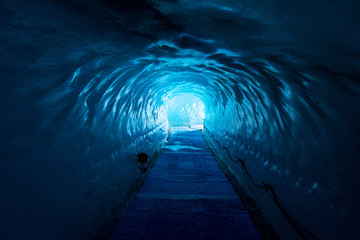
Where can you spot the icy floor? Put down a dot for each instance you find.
(186, 196)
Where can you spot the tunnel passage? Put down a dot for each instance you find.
(87, 85)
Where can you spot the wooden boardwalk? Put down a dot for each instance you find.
(186, 196)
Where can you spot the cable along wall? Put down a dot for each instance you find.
(271, 112)
(85, 88)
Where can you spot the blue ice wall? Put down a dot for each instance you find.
(73, 119)
(85, 87)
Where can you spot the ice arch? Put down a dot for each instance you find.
(84, 87)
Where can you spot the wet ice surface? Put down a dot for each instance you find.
(186, 196)
(84, 87)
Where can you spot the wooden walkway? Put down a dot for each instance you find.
(186, 196)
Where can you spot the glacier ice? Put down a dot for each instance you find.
(87, 85)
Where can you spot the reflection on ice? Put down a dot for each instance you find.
(181, 147)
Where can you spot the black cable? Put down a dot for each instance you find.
(301, 230)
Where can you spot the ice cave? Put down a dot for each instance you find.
(180, 119)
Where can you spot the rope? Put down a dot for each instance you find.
(301, 230)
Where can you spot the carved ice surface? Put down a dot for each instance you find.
(87, 85)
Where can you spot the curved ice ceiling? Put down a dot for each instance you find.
(85, 85)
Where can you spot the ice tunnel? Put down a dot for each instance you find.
(87, 85)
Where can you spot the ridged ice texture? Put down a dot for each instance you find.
(85, 85)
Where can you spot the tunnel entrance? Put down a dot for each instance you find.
(185, 110)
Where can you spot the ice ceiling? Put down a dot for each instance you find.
(86, 85)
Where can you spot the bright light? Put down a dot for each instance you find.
(185, 110)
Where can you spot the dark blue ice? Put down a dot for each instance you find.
(87, 85)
